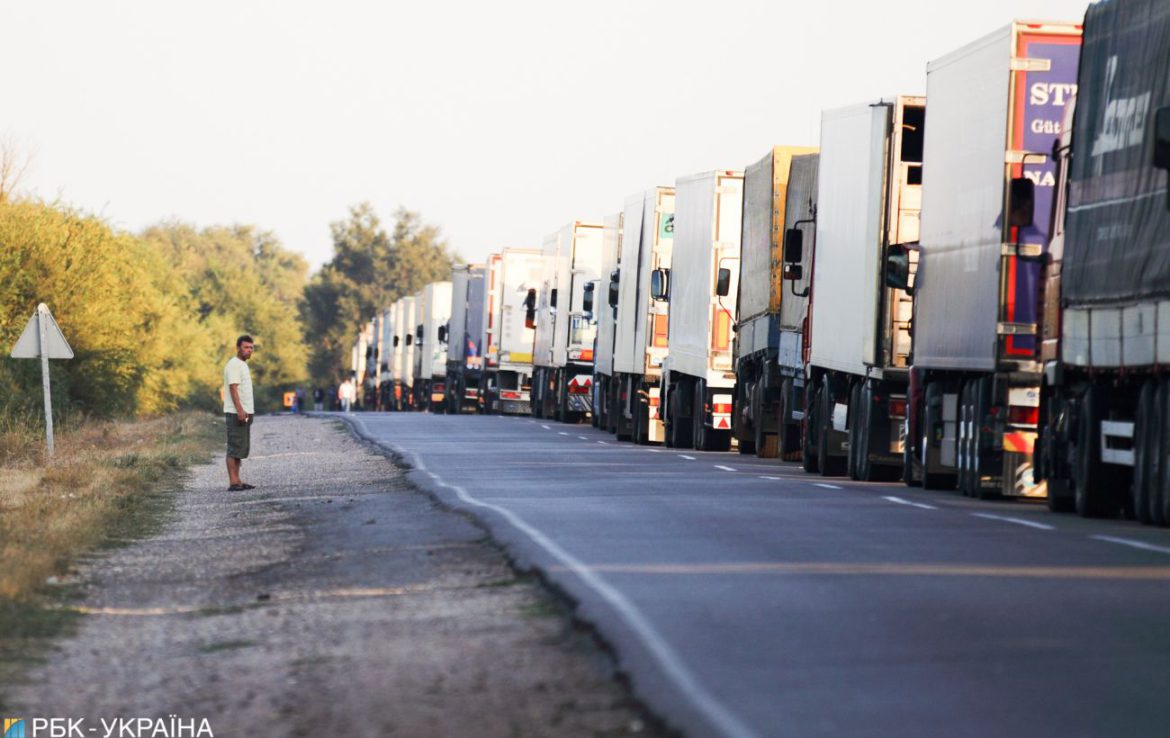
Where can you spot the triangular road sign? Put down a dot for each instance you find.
(28, 346)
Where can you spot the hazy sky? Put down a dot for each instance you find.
(498, 122)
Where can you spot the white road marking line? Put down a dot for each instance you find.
(774, 479)
(1133, 544)
(724, 468)
(688, 458)
(654, 450)
(563, 433)
(1017, 521)
(900, 501)
(672, 665)
(827, 486)
(545, 427)
(603, 443)
(583, 438)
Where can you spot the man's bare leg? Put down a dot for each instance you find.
(233, 468)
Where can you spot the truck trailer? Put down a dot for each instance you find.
(869, 187)
(698, 377)
(404, 322)
(641, 322)
(779, 193)
(1105, 398)
(464, 334)
(563, 347)
(995, 110)
(604, 317)
(513, 274)
(430, 346)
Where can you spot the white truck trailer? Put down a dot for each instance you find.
(386, 360)
(641, 322)
(563, 355)
(404, 325)
(513, 275)
(598, 309)
(779, 193)
(698, 378)
(464, 338)
(869, 192)
(995, 110)
(430, 346)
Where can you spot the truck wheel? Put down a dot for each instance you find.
(1094, 491)
(854, 427)
(701, 434)
(1146, 463)
(830, 466)
(1160, 502)
(680, 431)
(809, 458)
(935, 480)
(908, 466)
(965, 486)
(787, 433)
(865, 470)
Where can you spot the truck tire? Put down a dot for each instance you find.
(1093, 488)
(681, 434)
(854, 427)
(1160, 503)
(830, 466)
(701, 433)
(787, 433)
(1053, 448)
(865, 469)
(1147, 464)
(935, 480)
(809, 458)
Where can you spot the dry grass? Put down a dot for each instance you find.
(103, 481)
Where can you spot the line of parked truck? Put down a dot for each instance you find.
(965, 290)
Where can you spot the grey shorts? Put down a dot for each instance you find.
(239, 437)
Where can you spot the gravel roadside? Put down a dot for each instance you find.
(333, 599)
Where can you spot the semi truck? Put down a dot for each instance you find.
(996, 106)
(404, 322)
(869, 186)
(513, 274)
(430, 346)
(386, 359)
(640, 322)
(598, 309)
(698, 377)
(464, 334)
(779, 193)
(562, 357)
(1105, 341)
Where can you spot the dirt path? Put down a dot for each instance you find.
(331, 600)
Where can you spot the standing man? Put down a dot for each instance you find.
(238, 410)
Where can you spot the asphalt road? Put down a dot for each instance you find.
(746, 598)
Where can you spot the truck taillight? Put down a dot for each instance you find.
(1023, 415)
(721, 408)
(438, 387)
(897, 407)
(509, 395)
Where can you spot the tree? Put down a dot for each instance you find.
(370, 269)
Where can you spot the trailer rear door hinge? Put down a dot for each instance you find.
(1024, 64)
(1016, 329)
(1021, 249)
(1016, 156)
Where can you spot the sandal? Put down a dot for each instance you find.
(237, 487)
(245, 485)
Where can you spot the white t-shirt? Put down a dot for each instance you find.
(236, 372)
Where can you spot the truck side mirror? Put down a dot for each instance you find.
(613, 293)
(1022, 201)
(660, 284)
(396, 342)
(442, 334)
(418, 333)
(898, 268)
(793, 246)
(587, 300)
(409, 339)
(1162, 138)
(552, 297)
(723, 282)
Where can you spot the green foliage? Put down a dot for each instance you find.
(151, 319)
(370, 269)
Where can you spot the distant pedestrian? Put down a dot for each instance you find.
(238, 410)
(318, 399)
(300, 403)
(345, 394)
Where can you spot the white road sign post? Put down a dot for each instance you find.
(42, 339)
